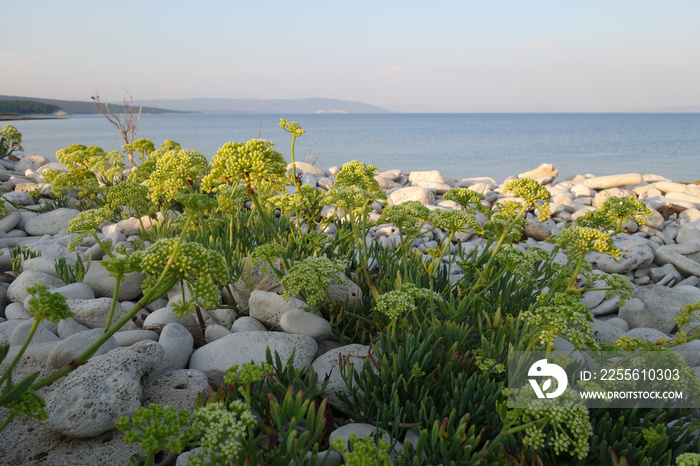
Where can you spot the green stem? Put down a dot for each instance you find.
(294, 164)
(117, 285)
(572, 282)
(8, 372)
(7, 422)
(268, 224)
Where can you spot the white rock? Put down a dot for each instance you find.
(50, 223)
(17, 291)
(633, 256)
(247, 324)
(178, 389)
(102, 283)
(71, 347)
(177, 342)
(544, 170)
(164, 316)
(41, 335)
(130, 337)
(268, 307)
(604, 332)
(606, 307)
(30, 162)
(89, 400)
(613, 181)
(6, 329)
(44, 264)
(301, 322)
(606, 194)
(412, 193)
(93, 313)
(328, 365)
(648, 334)
(440, 188)
(68, 327)
(254, 277)
(19, 198)
(239, 348)
(214, 332)
(581, 190)
(17, 311)
(619, 323)
(72, 291)
(303, 167)
(689, 233)
(432, 175)
(9, 221)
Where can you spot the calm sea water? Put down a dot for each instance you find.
(459, 145)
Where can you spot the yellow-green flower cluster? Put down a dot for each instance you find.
(348, 198)
(86, 223)
(230, 198)
(294, 128)
(107, 165)
(80, 179)
(221, 428)
(505, 214)
(202, 268)
(580, 240)
(44, 304)
(129, 198)
(3, 208)
(10, 141)
(247, 373)
(422, 294)
(454, 221)
(28, 404)
(395, 304)
(254, 163)
(688, 459)
(306, 201)
(467, 198)
(565, 316)
(156, 428)
(406, 216)
(177, 171)
(311, 276)
(365, 452)
(565, 419)
(268, 252)
(360, 174)
(534, 194)
(614, 211)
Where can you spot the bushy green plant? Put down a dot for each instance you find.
(10, 141)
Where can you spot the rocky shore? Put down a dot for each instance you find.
(160, 358)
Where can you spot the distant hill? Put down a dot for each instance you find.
(221, 105)
(77, 107)
(29, 107)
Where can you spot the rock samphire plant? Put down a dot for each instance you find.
(432, 378)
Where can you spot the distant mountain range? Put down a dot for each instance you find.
(310, 105)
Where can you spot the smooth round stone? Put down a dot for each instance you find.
(613, 181)
(606, 194)
(102, 283)
(593, 297)
(21, 332)
(9, 221)
(268, 307)
(412, 193)
(544, 170)
(44, 264)
(301, 322)
(303, 167)
(50, 223)
(361, 430)
(689, 233)
(214, 332)
(93, 313)
(633, 256)
(17, 311)
(72, 291)
(20, 198)
(68, 327)
(239, 348)
(164, 316)
(178, 343)
(430, 175)
(619, 323)
(6, 329)
(328, 365)
(130, 337)
(608, 306)
(648, 334)
(30, 162)
(17, 291)
(70, 348)
(247, 324)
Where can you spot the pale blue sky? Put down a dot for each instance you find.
(446, 55)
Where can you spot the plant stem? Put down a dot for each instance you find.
(7, 422)
(117, 284)
(294, 164)
(8, 372)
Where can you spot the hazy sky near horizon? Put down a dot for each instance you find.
(443, 55)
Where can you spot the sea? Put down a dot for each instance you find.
(460, 145)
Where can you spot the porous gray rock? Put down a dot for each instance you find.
(67, 327)
(647, 334)
(130, 337)
(328, 365)
(89, 400)
(71, 347)
(44, 264)
(301, 322)
(345, 289)
(603, 332)
(50, 223)
(634, 255)
(102, 283)
(17, 290)
(670, 256)
(239, 348)
(164, 316)
(177, 388)
(214, 332)
(268, 307)
(254, 277)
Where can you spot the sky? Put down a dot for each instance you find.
(404, 55)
